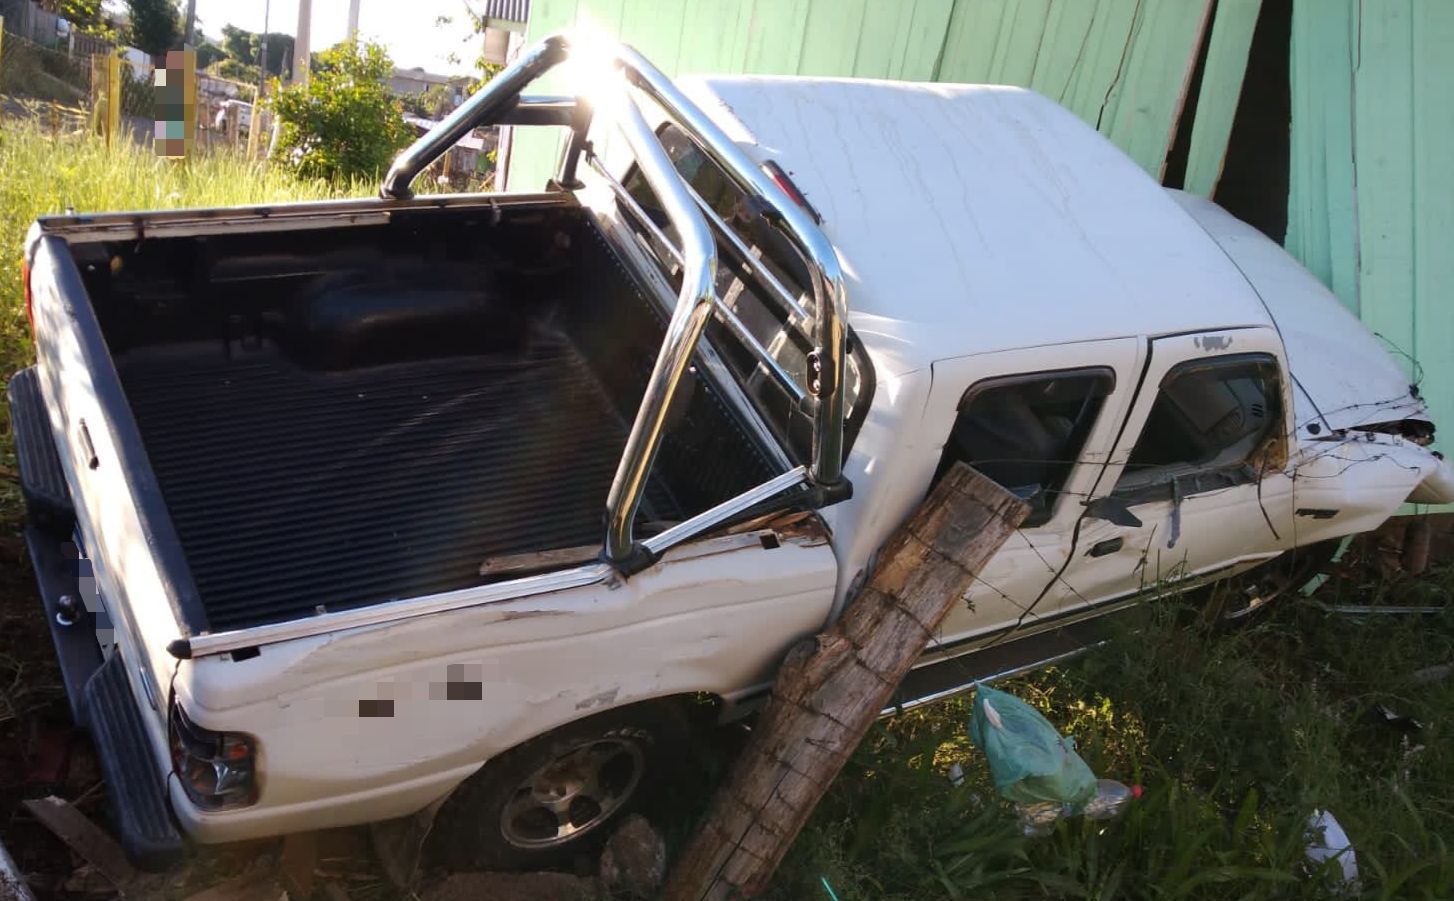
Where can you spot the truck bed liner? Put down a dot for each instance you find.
(293, 489)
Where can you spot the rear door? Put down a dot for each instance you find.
(1041, 422)
(1201, 466)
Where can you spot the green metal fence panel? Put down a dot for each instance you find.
(1433, 164)
(1221, 89)
(1371, 209)
(1122, 65)
(1321, 222)
(1383, 174)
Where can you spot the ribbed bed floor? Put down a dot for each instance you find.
(292, 489)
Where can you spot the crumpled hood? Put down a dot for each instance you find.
(1345, 376)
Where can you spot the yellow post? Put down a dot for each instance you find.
(98, 93)
(113, 97)
(255, 126)
(189, 91)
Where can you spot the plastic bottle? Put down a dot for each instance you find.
(1110, 800)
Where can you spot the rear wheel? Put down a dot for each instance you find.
(542, 803)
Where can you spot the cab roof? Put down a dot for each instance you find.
(977, 218)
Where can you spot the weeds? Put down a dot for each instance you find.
(1237, 738)
(42, 174)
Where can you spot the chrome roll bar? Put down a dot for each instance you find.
(501, 102)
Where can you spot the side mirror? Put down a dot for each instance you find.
(1112, 510)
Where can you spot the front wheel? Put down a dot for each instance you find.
(542, 803)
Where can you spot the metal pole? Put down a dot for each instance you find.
(262, 64)
(190, 21)
(353, 20)
(300, 43)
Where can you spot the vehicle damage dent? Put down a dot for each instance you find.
(599, 699)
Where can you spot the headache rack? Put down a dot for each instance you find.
(691, 261)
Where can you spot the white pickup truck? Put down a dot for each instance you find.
(343, 511)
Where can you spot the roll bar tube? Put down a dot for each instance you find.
(500, 102)
(829, 296)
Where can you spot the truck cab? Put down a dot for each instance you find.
(350, 511)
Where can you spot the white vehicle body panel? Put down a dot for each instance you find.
(974, 218)
(1345, 374)
(716, 616)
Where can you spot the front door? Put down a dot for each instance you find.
(1201, 466)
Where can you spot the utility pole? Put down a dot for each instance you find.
(262, 63)
(190, 23)
(300, 43)
(353, 20)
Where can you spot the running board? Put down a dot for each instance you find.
(950, 676)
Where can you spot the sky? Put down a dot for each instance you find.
(407, 27)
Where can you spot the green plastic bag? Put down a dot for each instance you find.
(1028, 758)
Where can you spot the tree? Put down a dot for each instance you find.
(478, 21)
(343, 123)
(209, 53)
(243, 45)
(436, 102)
(154, 26)
(85, 15)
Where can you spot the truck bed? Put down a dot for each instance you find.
(343, 417)
(292, 490)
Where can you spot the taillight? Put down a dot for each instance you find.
(790, 188)
(29, 299)
(218, 770)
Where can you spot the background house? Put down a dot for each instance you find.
(416, 81)
(1329, 124)
(504, 23)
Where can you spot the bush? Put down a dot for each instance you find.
(344, 123)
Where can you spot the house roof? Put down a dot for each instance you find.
(470, 141)
(974, 218)
(506, 10)
(418, 74)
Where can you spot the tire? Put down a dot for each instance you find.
(554, 798)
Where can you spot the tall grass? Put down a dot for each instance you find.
(42, 174)
(1237, 738)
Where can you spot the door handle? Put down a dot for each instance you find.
(1109, 546)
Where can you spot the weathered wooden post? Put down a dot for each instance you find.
(832, 687)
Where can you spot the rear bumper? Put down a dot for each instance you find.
(99, 691)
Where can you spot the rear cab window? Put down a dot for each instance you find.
(1027, 432)
(788, 341)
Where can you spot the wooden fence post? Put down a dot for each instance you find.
(113, 98)
(832, 687)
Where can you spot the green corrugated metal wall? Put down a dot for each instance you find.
(1372, 97)
(1371, 204)
(1122, 65)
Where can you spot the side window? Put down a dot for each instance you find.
(1210, 419)
(1027, 432)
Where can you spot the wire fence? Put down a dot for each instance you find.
(31, 72)
(69, 87)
